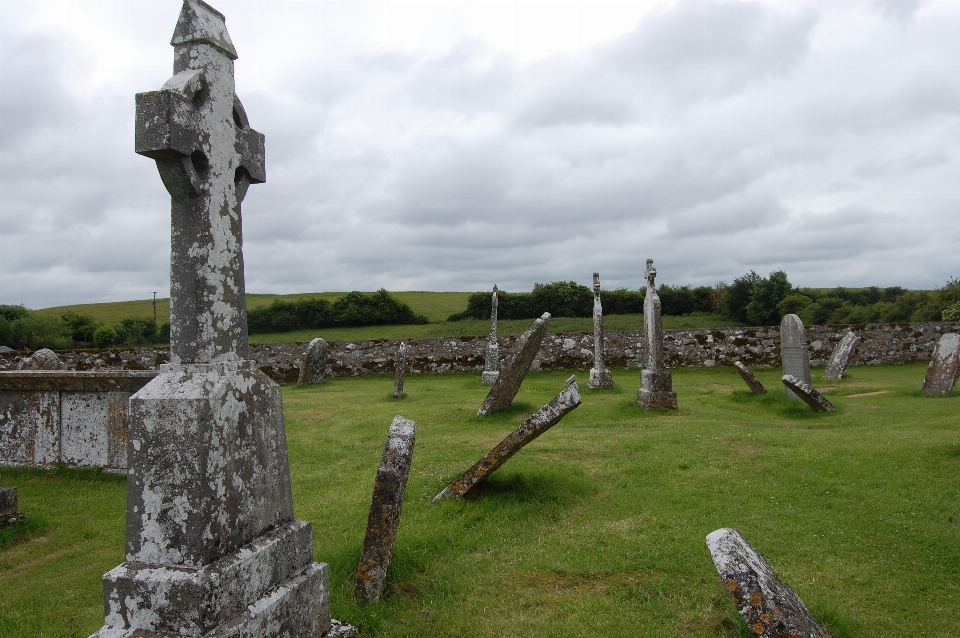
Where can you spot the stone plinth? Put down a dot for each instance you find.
(400, 370)
(793, 351)
(541, 421)
(842, 357)
(600, 379)
(9, 512)
(808, 394)
(769, 606)
(748, 377)
(385, 508)
(656, 390)
(941, 374)
(508, 382)
(314, 363)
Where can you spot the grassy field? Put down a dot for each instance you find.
(596, 528)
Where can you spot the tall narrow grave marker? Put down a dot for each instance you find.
(507, 385)
(600, 377)
(842, 357)
(314, 363)
(748, 377)
(793, 351)
(656, 383)
(400, 370)
(491, 363)
(941, 374)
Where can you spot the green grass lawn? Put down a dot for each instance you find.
(596, 528)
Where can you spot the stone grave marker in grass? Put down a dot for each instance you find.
(508, 382)
(600, 376)
(656, 383)
(942, 372)
(808, 394)
(314, 363)
(541, 421)
(8, 505)
(491, 363)
(748, 377)
(400, 370)
(793, 351)
(842, 357)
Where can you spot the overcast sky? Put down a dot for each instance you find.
(452, 145)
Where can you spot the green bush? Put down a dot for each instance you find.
(104, 337)
(951, 313)
(137, 331)
(80, 327)
(793, 304)
(353, 309)
(22, 329)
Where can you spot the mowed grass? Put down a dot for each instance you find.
(596, 528)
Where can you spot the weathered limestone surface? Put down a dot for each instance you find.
(400, 370)
(656, 382)
(314, 363)
(808, 394)
(8, 505)
(212, 544)
(507, 385)
(768, 605)
(752, 382)
(942, 372)
(491, 362)
(385, 508)
(842, 357)
(793, 351)
(541, 421)
(42, 359)
(600, 376)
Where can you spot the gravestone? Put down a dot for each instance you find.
(752, 382)
(491, 363)
(656, 383)
(600, 376)
(538, 423)
(400, 370)
(941, 374)
(808, 394)
(314, 363)
(42, 359)
(793, 351)
(8, 505)
(212, 545)
(769, 606)
(507, 384)
(385, 507)
(842, 357)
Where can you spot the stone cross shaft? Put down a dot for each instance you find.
(652, 322)
(493, 315)
(196, 130)
(598, 354)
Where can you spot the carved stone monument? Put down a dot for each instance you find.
(941, 374)
(842, 357)
(8, 505)
(507, 385)
(400, 370)
(314, 363)
(212, 545)
(808, 394)
(748, 377)
(769, 606)
(385, 508)
(793, 351)
(600, 376)
(541, 421)
(656, 383)
(491, 363)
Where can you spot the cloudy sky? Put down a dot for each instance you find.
(451, 145)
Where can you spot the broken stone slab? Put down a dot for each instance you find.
(808, 394)
(400, 370)
(340, 630)
(42, 359)
(508, 382)
(385, 507)
(538, 423)
(314, 363)
(842, 357)
(752, 382)
(793, 350)
(491, 362)
(769, 606)
(600, 376)
(944, 365)
(656, 382)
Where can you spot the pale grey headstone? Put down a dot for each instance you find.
(600, 376)
(656, 382)
(314, 363)
(793, 350)
(842, 357)
(515, 370)
(491, 362)
(941, 374)
(808, 394)
(748, 377)
(400, 370)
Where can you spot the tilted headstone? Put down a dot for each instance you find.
(42, 359)
(752, 382)
(656, 382)
(385, 507)
(212, 544)
(400, 370)
(491, 363)
(8, 505)
(941, 374)
(842, 357)
(808, 394)
(314, 363)
(508, 382)
(541, 421)
(600, 376)
(769, 606)
(793, 350)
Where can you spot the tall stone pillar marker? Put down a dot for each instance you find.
(600, 376)
(491, 365)
(793, 351)
(656, 383)
(212, 546)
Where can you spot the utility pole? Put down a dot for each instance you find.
(154, 307)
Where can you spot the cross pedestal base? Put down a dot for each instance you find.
(600, 379)
(656, 390)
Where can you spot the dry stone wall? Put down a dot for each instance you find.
(755, 347)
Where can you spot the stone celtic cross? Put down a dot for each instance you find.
(196, 130)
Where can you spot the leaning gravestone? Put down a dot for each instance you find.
(42, 359)
(941, 374)
(769, 606)
(748, 377)
(656, 383)
(600, 376)
(541, 421)
(508, 382)
(808, 394)
(842, 357)
(212, 544)
(793, 350)
(400, 370)
(314, 363)
(491, 363)
(385, 508)
(8, 505)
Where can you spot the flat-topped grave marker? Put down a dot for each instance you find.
(600, 376)
(314, 363)
(842, 357)
(656, 382)
(400, 370)
(8, 505)
(752, 382)
(538, 423)
(793, 350)
(808, 394)
(491, 363)
(942, 372)
(508, 382)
